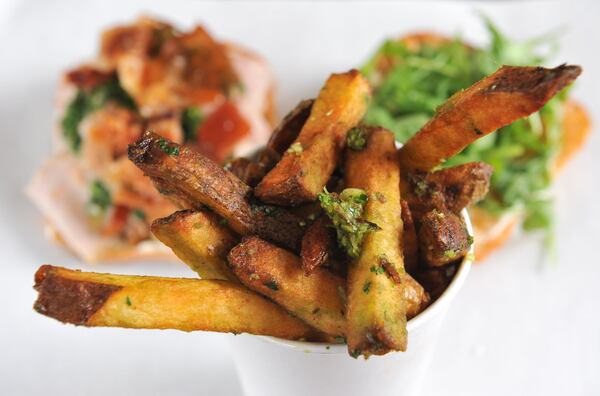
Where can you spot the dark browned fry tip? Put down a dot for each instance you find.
(540, 82)
(289, 128)
(140, 152)
(68, 300)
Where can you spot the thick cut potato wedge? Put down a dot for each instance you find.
(377, 309)
(199, 240)
(443, 238)
(277, 274)
(144, 302)
(309, 162)
(450, 189)
(194, 180)
(512, 92)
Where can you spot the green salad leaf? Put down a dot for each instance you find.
(414, 83)
(88, 101)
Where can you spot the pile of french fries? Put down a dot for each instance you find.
(327, 234)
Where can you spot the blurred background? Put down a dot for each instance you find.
(525, 322)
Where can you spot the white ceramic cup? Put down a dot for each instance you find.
(273, 366)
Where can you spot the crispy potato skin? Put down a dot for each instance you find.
(277, 274)
(512, 92)
(199, 240)
(143, 302)
(443, 238)
(450, 189)
(376, 317)
(317, 244)
(194, 180)
(409, 242)
(300, 176)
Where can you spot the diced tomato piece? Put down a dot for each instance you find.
(221, 131)
(117, 221)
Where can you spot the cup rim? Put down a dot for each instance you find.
(436, 308)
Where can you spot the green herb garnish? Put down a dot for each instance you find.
(191, 118)
(416, 82)
(128, 301)
(377, 269)
(100, 198)
(367, 287)
(356, 138)
(345, 211)
(271, 284)
(88, 101)
(167, 148)
(139, 214)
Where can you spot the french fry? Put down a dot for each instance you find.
(277, 274)
(377, 309)
(251, 171)
(450, 189)
(512, 92)
(317, 244)
(199, 240)
(144, 302)
(309, 162)
(443, 238)
(410, 243)
(195, 181)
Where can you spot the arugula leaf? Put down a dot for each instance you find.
(410, 84)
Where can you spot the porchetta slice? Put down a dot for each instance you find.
(60, 190)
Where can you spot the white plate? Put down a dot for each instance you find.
(517, 327)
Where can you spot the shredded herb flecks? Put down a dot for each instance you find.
(345, 211)
(271, 284)
(167, 148)
(356, 138)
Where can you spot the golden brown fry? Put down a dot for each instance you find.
(277, 274)
(317, 244)
(443, 238)
(512, 92)
(145, 302)
(309, 162)
(199, 240)
(376, 306)
(194, 180)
